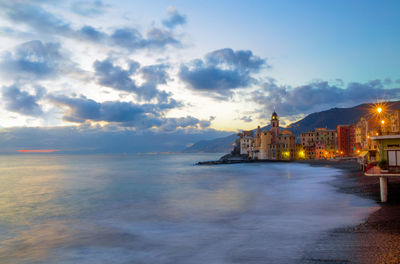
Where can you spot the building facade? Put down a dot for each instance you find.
(245, 142)
(327, 138)
(346, 140)
(273, 144)
(361, 134)
(307, 141)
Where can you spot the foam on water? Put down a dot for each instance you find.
(162, 209)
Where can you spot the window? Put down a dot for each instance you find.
(394, 158)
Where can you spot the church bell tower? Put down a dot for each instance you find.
(275, 126)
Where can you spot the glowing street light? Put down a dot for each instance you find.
(383, 122)
(379, 109)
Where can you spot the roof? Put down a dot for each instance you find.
(386, 137)
(362, 154)
(286, 132)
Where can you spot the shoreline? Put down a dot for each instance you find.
(236, 160)
(376, 239)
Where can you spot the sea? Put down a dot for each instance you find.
(161, 208)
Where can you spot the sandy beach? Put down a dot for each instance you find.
(377, 239)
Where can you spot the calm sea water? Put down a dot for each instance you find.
(162, 209)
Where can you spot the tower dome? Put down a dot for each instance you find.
(274, 116)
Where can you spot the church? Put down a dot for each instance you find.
(272, 144)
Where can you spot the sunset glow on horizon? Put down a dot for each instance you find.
(38, 150)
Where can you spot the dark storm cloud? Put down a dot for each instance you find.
(174, 18)
(221, 72)
(20, 101)
(318, 96)
(46, 23)
(88, 8)
(124, 114)
(110, 75)
(33, 59)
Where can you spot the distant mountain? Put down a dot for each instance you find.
(329, 119)
(217, 145)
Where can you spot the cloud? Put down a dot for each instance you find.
(109, 74)
(320, 95)
(42, 21)
(82, 109)
(114, 76)
(91, 34)
(206, 123)
(174, 18)
(34, 59)
(222, 71)
(35, 17)
(246, 119)
(88, 8)
(132, 39)
(171, 124)
(20, 101)
(123, 114)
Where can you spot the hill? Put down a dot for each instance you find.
(328, 118)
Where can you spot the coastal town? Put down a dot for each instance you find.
(374, 141)
(373, 138)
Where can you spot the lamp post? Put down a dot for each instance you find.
(379, 110)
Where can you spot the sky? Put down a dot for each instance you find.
(190, 68)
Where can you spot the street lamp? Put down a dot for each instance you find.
(380, 128)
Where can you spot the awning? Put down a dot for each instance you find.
(362, 154)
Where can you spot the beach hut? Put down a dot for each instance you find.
(388, 157)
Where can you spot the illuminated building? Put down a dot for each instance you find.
(327, 138)
(346, 139)
(307, 141)
(273, 144)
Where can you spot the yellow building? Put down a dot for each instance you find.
(391, 123)
(362, 134)
(307, 141)
(274, 144)
(328, 139)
